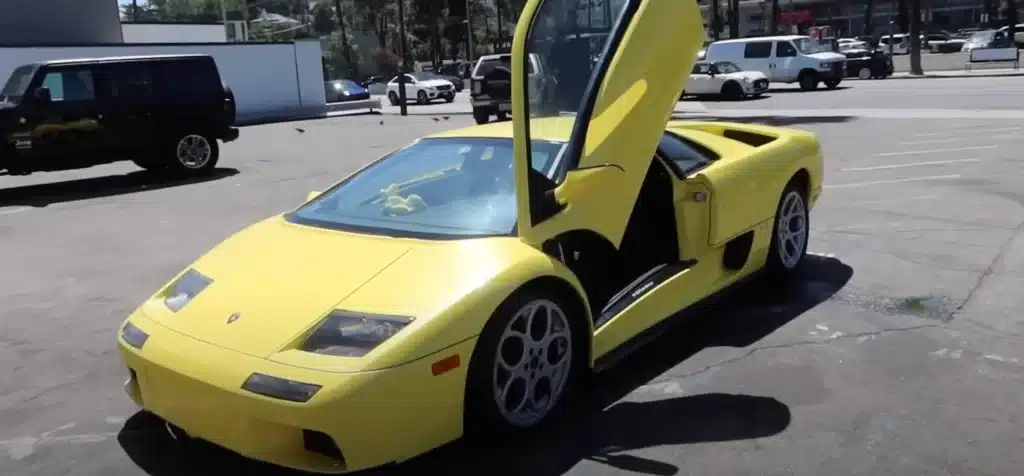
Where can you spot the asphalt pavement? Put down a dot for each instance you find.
(898, 352)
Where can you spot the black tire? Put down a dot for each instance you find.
(832, 83)
(481, 115)
(865, 73)
(174, 164)
(449, 99)
(502, 116)
(483, 418)
(808, 81)
(732, 91)
(421, 98)
(778, 265)
(393, 98)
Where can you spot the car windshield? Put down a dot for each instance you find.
(17, 84)
(348, 83)
(725, 67)
(982, 36)
(436, 188)
(424, 76)
(808, 46)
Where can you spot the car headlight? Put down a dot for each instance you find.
(185, 289)
(823, 66)
(346, 93)
(347, 334)
(134, 336)
(746, 80)
(280, 388)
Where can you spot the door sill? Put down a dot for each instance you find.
(639, 288)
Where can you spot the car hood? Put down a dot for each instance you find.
(435, 82)
(827, 56)
(281, 279)
(749, 75)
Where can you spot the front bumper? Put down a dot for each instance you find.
(494, 105)
(373, 418)
(439, 93)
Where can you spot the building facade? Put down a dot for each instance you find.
(60, 22)
(848, 18)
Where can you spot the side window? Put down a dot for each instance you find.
(71, 84)
(761, 49)
(131, 82)
(701, 68)
(784, 49)
(191, 77)
(683, 155)
(410, 79)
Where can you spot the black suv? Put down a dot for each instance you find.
(165, 113)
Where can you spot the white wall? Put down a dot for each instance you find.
(173, 33)
(270, 80)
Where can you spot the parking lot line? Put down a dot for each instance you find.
(912, 164)
(891, 181)
(935, 151)
(946, 132)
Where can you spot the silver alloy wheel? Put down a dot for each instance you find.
(792, 229)
(864, 73)
(532, 365)
(194, 151)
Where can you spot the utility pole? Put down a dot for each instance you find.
(223, 13)
(402, 98)
(469, 32)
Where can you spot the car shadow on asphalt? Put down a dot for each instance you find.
(798, 90)
(45, 194)
(601, 426)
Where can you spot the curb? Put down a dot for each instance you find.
(957, 76)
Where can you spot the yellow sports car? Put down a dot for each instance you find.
(465, 283)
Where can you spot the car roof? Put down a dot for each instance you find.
(760, 38)
(121, 59)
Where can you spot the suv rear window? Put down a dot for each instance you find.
(488, 65)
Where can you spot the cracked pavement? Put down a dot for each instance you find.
(897, 353)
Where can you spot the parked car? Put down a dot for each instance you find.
(371, 80)
(164, 113)
(986, 39)
(491, 85)
(342, 90)
(1018, 33)
(868, 64)
(784, 59)
(725, 79)
(899, 42)
(423, 87)
(846, 44)
(943, 43)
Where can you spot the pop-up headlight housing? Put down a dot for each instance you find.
(185, 289)
(349, 334)
(134, 336)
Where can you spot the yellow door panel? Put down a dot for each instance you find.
(693, 218)
(611, 72)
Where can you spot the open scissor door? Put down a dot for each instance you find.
(603, 75)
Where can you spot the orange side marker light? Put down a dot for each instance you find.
(446, 364)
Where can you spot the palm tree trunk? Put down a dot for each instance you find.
(915, 38)
(734, 18)
(904, 17)
(869, 14)
(716, 21)
(1011, 19)
(773, 27)
(346, 50)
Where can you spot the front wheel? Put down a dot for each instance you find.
(421, 98)
(393, 98)
(790, 233)
(524, 366)
(449, 99)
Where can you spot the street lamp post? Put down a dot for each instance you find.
(403, 107)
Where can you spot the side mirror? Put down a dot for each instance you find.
(313, 194)
(43, 96)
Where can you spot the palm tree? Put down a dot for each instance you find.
(915, 38)
(1011, 19)
(869, 13)
(772, 26)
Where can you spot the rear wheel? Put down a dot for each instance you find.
(790, 233)
(189, 153)
(864, 73)
(502, 116)
(808, 81)
(732, 91)
(481, 115)
(525, 364)
(832, 83)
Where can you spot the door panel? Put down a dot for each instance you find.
(616, 71)
(693, 218)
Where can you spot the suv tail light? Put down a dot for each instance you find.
(476, 86)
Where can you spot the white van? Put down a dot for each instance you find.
(783, 59)
(900, 43)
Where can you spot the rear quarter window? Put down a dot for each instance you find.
(192, 77)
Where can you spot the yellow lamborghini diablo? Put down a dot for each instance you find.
(465, 282)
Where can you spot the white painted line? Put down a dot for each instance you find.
(11, 211)
(884, 182)
(948, 132)
(891, 200)
(913, 164)
(937, 141)
(935, 151)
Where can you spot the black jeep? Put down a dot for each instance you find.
(165, 113)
